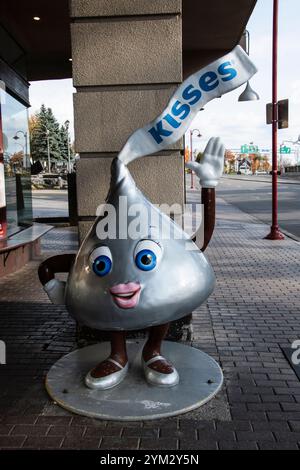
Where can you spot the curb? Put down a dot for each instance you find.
(259, 181)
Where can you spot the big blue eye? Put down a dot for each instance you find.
(145, 260)
(147, 255)
(102, 265)
(101, 260)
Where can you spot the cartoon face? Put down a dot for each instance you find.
(123, 283)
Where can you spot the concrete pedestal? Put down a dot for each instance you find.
(134, 400)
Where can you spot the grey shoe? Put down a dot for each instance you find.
(109, 381)
(154, 377)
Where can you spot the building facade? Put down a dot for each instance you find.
(126, 58)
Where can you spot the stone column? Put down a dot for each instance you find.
(127, 62)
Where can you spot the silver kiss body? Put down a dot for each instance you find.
(182, 280)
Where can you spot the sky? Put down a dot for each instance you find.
(237, 123)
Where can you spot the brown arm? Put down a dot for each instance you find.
(208, 199)
(55, 264)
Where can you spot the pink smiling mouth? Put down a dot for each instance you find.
(126, 295)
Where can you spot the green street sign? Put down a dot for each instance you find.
(285, 150)
(249, 148)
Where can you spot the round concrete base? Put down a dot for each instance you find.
(134, 400)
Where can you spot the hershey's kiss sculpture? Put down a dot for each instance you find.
(118, 282)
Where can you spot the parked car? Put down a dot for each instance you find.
(50, 181)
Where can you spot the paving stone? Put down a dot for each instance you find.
(81, 443)
(278, 446)
(255, 436)
(208, 426)
(99, 431)
(234, 426)
(169, 423)
(11, 442)
(158, 444)
(229, 445)
(54, 420)
(69, 431)
(187, 444)
(26, 419)
(295, 425)
(5, 429)
(291, 407)
(111, 443)
(219, 435)
(270, 426)
(287, 436)
(41, 442)
(29, 430)
(82, 420)
(143, 432)
(283, 416)
(179, 433)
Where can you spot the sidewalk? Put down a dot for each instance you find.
(264, 178)
(253, 312)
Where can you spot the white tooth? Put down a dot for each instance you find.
(129, 294)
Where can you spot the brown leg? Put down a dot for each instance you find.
(152, 348)
(118, 353)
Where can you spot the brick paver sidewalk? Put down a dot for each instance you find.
(253, 312)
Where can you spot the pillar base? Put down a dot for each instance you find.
(134, 399)
(275, 234)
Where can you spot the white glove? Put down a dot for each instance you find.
(55, 290)
(211, 166)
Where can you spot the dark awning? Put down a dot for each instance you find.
(210, 29)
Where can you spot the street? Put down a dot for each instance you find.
(50, 203)
(255, 198)
(252, 196)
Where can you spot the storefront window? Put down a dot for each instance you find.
(16, 157)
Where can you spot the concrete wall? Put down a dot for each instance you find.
(127, 62)
(101, 8)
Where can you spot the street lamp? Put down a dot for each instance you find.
(25, 135)
(275, 233)
(192, 158)
(248, 94)
(48, 149)
(67, 123)
(47, 132)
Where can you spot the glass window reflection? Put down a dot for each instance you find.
(16, 163)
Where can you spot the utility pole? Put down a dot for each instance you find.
(275, 233)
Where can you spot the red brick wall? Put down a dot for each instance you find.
(16, 259)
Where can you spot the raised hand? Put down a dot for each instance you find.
(210, 168)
